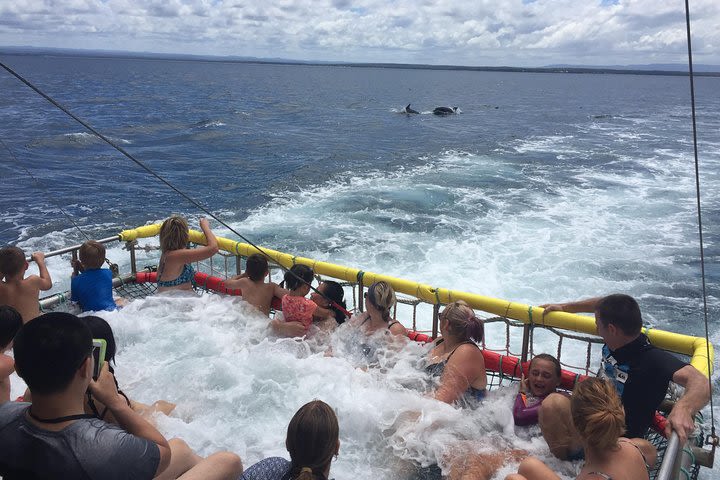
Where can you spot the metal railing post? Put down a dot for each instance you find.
(436, 320)
(525, 343)
(361, 300)
(133, 264)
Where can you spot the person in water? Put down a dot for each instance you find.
(456, 357)
(313, 439)
(295, 306)
(543, 379)
(640, 372)
(54, 438)
(329, 292)
(379, 302)
(252, 283)
(18, 291)
(599, 417)
(175, 271)
(91, 285)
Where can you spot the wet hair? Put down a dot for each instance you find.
(92, 254)
(10, 323)
(312, 440)
(101, 329)
(622, 311)
(462, 322)
(256, 267)
(382, 296)
(12, 261)
(50, 349)
(174, 234)
(297, 276)
(334, 292)
(549, 358)
(597, 413)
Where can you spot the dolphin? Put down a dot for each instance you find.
(408, 110)
(445, 110)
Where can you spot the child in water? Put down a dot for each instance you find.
(91, 286)
(542, 380)
(295, 307)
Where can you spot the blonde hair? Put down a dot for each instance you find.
(462, 321)
(597, 413)
(382, 296)
(92, 254)
(174, 234)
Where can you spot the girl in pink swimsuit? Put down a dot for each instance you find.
(295, 306)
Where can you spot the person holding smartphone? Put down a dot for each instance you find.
(54, 438)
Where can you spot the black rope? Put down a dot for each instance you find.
(699, 209)
(167, 183)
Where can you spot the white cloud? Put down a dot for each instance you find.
(478, 32)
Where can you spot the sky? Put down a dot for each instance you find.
(520, 33)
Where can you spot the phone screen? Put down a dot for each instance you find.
(98, 353)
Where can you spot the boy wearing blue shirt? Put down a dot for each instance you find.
(91, 286)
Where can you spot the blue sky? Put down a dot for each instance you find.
(461, 32)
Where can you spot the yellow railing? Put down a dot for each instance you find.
(695, 347)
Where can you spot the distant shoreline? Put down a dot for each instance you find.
(58, 52)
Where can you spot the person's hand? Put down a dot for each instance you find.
(37, 257)
(551, 307)
(76, 265)
(104, 388)
(681, 422)
(204, 223)
(523, 384)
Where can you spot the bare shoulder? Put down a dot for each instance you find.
(7, 365)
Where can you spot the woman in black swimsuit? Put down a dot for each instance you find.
(379, 301)
(599, 418)
(456, 357)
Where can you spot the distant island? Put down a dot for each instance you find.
(651, 69)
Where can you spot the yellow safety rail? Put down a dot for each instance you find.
(695, 347)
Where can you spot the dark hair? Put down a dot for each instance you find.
(622, 311)
(12, 260)
(334, 292)
(549, 358)
(10, 323)
(101, 329)
(92, 254)
(312, 440)
(50, 349)
(462, 321)
(256, 267)
(295, 276)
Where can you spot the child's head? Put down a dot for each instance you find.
(12, 261)
(543, 374)
(101, 329)
(298, 276)
(256, 267)
(10, 323)
(381, 296)
(92, 254)
(174, 234)
(597, 413)
(461, 322)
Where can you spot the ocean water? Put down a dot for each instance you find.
(546, 187)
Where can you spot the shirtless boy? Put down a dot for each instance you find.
(16, 290)
(252, 284)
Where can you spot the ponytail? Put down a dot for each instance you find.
(597, 413)
(462, 322)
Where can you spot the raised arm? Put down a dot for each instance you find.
(697, 394)
(105, 391)
(45, 282)
(189, 255)
(287, 329)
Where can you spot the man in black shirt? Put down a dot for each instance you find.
(640, 372)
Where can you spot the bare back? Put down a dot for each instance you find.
(625, 463)
(259, 294)
(23, 296)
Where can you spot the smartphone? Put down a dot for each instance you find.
(98, 353)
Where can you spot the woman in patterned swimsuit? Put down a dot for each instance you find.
(599, 417)
(175, 271)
